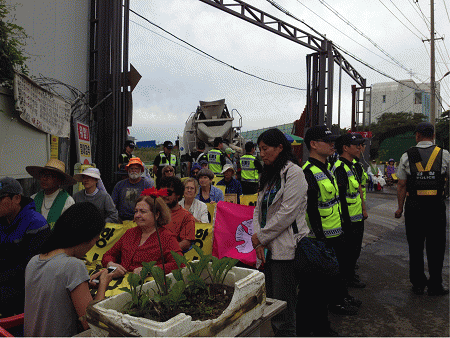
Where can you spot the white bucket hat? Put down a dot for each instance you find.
(91, 172)
(226, 167)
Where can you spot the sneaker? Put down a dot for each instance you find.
(344, 309)
(419, 290)
(355, 283)
(439, 291)
(353, 301)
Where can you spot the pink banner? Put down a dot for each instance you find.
(233, 232)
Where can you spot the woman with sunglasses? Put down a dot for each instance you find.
(168, 171)
(140, 244)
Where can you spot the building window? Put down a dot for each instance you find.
(418, 98)
(384, 98)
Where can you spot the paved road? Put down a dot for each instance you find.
(389, 307)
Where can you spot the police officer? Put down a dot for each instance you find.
(250, 169)
(363, 177)
(353, 207)
(216, 158)
(126, 154)
(164, 158)
(324, 213)
(421, 173)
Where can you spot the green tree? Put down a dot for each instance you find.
(391, 124)
(12, 40)
(443, 130)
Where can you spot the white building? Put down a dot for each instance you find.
(406, 96)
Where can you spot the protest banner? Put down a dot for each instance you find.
(233, 230)
(112, 233)
(249, 199)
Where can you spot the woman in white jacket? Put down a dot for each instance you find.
(279, 224)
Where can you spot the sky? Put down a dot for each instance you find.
(175, 77)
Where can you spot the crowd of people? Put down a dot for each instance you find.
(308, 225)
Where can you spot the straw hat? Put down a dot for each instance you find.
(91, 172)
(54, 165)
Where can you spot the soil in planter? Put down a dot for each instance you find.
(200, 306)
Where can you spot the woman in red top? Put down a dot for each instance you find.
(140, 244)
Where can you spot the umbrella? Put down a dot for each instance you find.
(294, 139)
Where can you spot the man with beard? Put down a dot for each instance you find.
(182, 223)
(127, 191)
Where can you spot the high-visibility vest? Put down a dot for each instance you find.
(248, 169)
(214, 163)
(328, 202)
(426, 178)
(352, 195)
(164, 162)
(364, 179)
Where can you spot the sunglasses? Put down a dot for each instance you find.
(168, 171)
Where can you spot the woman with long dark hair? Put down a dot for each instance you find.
(57, 281)
(279, 224)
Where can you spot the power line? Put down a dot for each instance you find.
(344, 34)
(448, 16)
(363, 35)
(212, 57)
(402, 21)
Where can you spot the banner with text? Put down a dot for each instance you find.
(41, 108)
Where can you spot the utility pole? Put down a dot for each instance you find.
(432, 78)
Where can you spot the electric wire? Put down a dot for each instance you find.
(401, 20)
(401, 12)
(364, 35)
(446, 11)
(381, 57)
(212, 57)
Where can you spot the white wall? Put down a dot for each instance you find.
(58, 46)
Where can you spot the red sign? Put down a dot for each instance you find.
(83, 132)
(365, 134)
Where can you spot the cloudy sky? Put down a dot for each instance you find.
(175, 76)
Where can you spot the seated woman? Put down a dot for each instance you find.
(197, 208)
(195, 169)
(140, 244)
(95, 192)
(390, 169)
(56, 281)
(208, 193)
(168, 171)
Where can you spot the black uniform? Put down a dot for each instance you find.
(425, 216)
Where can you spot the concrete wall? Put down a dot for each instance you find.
(58, 46)
(402, 98)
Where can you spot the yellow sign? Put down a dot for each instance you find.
(54, 144)
(112, 233)
(249, 199)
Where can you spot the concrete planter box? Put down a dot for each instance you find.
(246, 306)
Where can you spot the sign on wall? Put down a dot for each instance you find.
(83, 139)
(40, 108)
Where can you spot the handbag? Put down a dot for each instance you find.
(315, 256)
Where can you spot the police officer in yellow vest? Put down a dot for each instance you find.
(164, 158)
(216, 158)
(363, 177)
(250, 168)
(422, 174)
(324, 212)
(354, 211)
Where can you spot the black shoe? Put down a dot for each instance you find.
(439, 291)
(418, 290)
(355, 283)
(353, 301)
(344, 309)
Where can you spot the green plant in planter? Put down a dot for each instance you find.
(167, 298)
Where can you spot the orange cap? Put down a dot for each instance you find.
(135, 160)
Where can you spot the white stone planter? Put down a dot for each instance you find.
(246, 306)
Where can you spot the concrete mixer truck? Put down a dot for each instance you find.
(210, 120)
